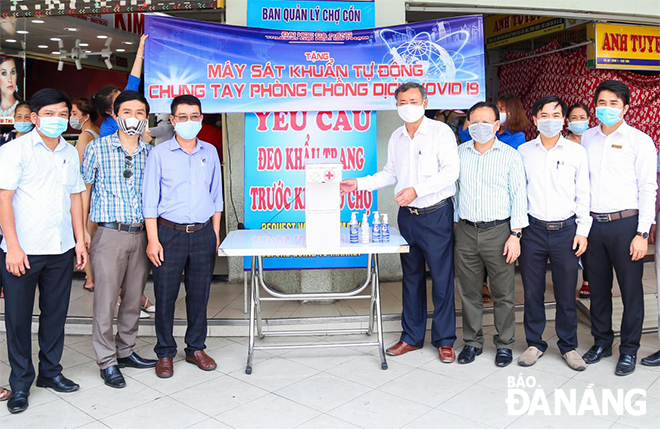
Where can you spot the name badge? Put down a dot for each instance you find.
(617, 146)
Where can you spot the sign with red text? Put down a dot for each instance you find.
(619, 46)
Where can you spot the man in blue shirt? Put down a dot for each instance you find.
(113, 169)
(182, 205)
(41, 217)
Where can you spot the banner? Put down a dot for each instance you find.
(618, 46)
(239, 69)
(311, 15)
(12, 87)
(506, 29)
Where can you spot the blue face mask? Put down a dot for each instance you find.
(189, 129)
(52, 126)
(23, 127)
(578, 127)
(608, 115)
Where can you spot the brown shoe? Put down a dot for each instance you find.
(446, 354)
(202, 360)
(400, 348)
(164, 368)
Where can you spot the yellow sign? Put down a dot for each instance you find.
(506, 29)
(618, 46)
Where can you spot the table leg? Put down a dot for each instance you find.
(253, 283)
(372, 301)
(245, 292)
(257, 298)
(379, 319)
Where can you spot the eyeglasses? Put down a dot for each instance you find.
(185, 118)
(128, 172)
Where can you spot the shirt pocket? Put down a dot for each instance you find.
(565, 173)
(428, 164)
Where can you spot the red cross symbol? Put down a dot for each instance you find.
(329, 176)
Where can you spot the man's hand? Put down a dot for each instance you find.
(146, 136)
(638, 248)
(217, 243)
(405, 197)
(88, 239)
(347, 185)
(17, 262)
(654, 229)
(81, 255)
(512, 249)
(140, 50)
(155, 253)
(580, 245)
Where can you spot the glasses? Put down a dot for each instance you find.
(185, 118)
(128, 172)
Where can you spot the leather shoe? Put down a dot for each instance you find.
(135, 361)
(446, 354)
(596, 353)
(18, 402)
(652, 360)
(503, 357)
(59, 383)
(468, 354)
(202, 360)
(113, 378)
(400, 348)
(626, 364)
(164, 368)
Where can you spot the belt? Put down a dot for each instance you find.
(484, 225)
(132, 228)
(430, 209)
(553, 225)
(189, 228)
(609, 217)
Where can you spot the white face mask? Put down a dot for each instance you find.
(410, 112)
(550, 127)
(481, 132)
(502, 118)
(76, 123)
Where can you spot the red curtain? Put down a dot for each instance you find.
(566, 74)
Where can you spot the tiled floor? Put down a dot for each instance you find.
(328, 388)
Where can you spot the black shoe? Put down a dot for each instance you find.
(652, 360)
(18, 402)
(596, 353)
(135, 361)
(59, 383)
(503, 357)
(113, 378)
(468, 354)
(626, 364)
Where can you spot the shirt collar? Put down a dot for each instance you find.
(114, 141)
(423, 128)
(173, 144)
(623, 129)
(497, 144)
(36, 139)
(560, 143)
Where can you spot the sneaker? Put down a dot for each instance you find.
(574, 361)
(144, 314)
(529, 358)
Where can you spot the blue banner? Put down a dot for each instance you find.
(311, 15)
(239, 69)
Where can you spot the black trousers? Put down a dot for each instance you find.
(53, 274)
(609, 247)
(193, 255)
(431, 240)
(537, 246)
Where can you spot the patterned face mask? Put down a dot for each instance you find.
(131, 125)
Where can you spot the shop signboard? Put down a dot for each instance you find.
(507, 29)
(624, 47)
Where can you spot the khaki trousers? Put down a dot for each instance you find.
(119, 261)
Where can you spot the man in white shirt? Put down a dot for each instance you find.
(423, 162)
(557, 173)
(622, 171)
(42, 221)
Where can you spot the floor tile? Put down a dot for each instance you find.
(37, 397)
(209, 424)
(323, 358)
(52, 415)
(425, 387)
(274, 374)
(366, 370)
(163, 413)
(185, 375)
(437, 418)
(323, 392)
(270, 411)
(559, 422)
(482, 367)
(325, 421)
(481, 404)
(549, 382)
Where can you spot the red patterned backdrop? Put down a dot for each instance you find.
(566, 75)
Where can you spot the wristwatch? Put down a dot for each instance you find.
(644, 235)
(519, 234)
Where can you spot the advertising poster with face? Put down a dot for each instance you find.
(12, 90)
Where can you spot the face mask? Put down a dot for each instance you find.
(23, 127)
(188, 130)
(481, 132)
(578, 127)
(75, 123)
(608, 115)
(502, 118)
(550, 127)
(52, 126)
(410, 112)
(131, 125)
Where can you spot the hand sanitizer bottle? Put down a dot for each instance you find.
(375, 234)
(364, 231)
(385, 230)
(354, 229)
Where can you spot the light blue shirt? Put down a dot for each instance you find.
(491, 186)
(181, 187)
(43, 181)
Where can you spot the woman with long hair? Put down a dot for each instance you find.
(9, 97)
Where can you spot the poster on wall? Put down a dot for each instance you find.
(243, 69)
(12, 90)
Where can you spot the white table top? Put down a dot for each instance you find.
(284, 242)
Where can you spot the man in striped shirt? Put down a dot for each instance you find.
(491, 210)
(113, 169)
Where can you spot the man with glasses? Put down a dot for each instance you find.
(182, 208)
(113, 169)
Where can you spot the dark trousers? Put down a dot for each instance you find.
(537, 246)
(431, 240)
(53, 274)
(193, 255)
(585, 273)
(609, 247)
